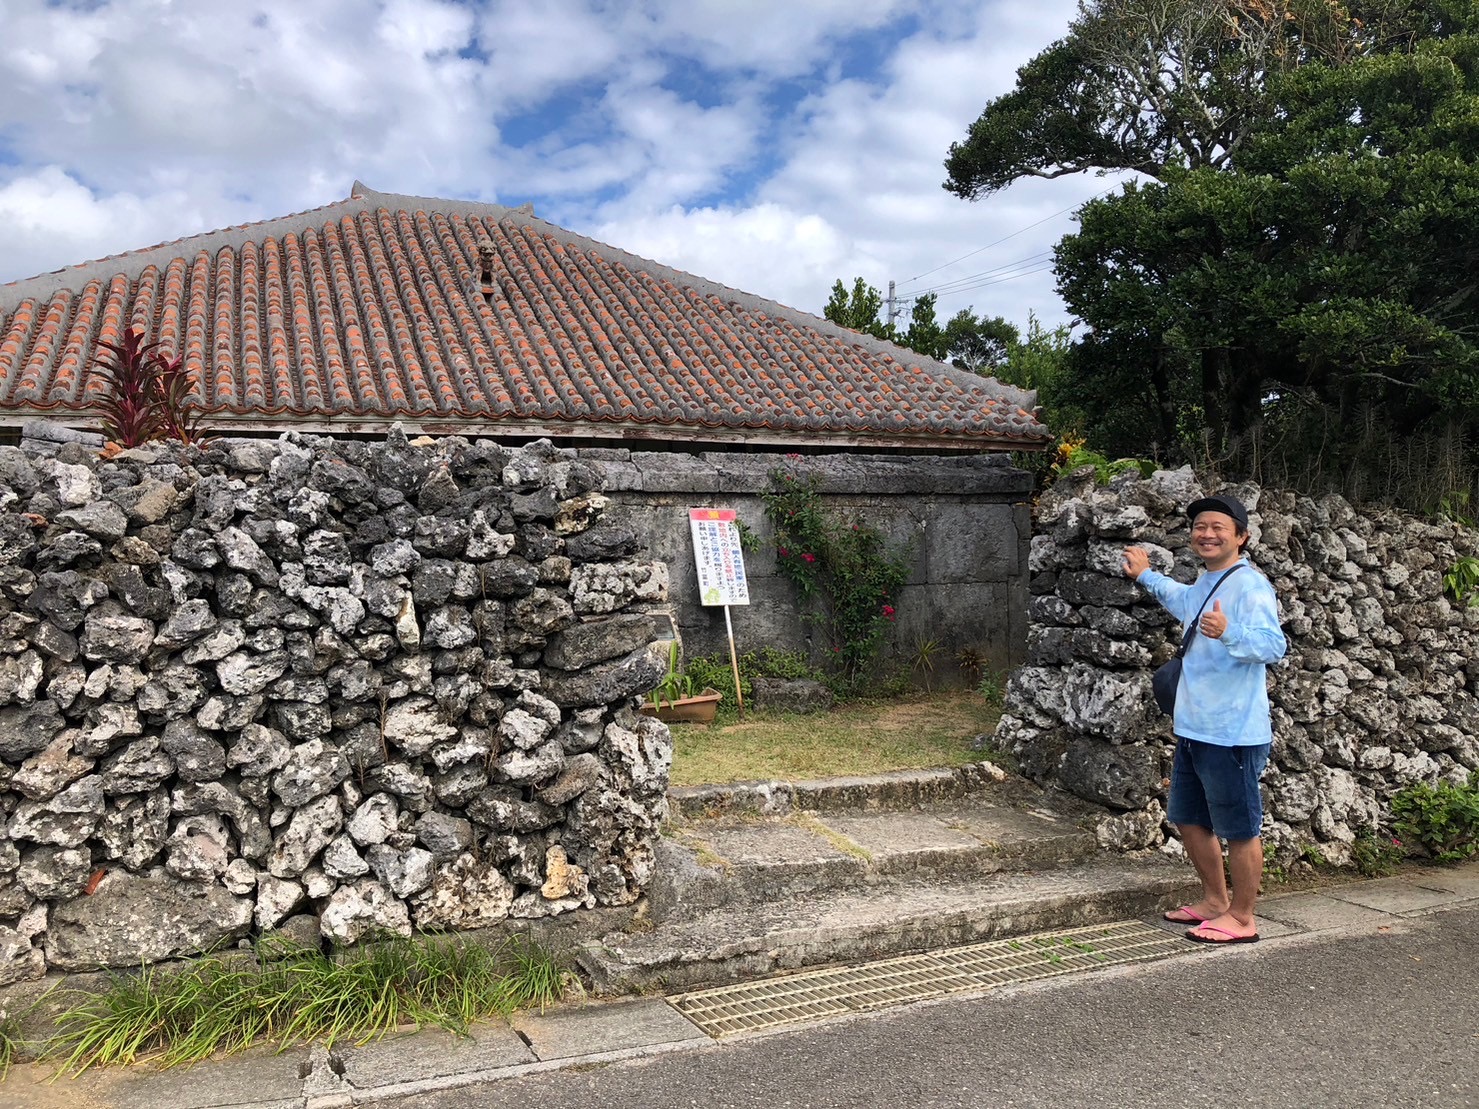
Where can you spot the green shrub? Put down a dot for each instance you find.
(1375, 855)
(1440, 821)
(846, 574)
(11, 1042)
(676, 685)
(922, 659)
(789, 666)
(1072, 453)
(1454, 505)
(1461, 581)
(896, 683)
(993, 686)
(714, 672)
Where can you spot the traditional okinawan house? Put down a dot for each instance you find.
(454, 317)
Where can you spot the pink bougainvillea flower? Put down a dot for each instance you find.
(809, 557)
(782, 551)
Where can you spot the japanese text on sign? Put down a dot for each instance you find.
(717, 554)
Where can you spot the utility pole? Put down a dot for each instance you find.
(893, 313)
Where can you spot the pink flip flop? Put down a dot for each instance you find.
(1198, 935)
(1191, 916)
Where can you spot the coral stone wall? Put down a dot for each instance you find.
(316, 686)
(1378, 690)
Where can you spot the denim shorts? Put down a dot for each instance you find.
(1216, 787)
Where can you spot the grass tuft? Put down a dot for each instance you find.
(289, 994)
(11, 1042)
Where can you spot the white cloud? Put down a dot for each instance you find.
(867, 158)
(778, 37)
(47, 214)
(767, 249)
(254, 91)
(538, 46)
(667, 127)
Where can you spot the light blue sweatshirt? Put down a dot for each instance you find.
(1223, 695)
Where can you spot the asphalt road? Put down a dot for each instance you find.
(1341, 1019)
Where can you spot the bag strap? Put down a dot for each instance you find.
(1191, 628)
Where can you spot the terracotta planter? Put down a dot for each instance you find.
(686, 710)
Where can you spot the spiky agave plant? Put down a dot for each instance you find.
(147, 393)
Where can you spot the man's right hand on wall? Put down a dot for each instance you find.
(1136, 562)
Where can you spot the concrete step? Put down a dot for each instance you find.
(734, 942)
(893, 791)
(740, 859)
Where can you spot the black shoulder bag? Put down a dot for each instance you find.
(1167, 675)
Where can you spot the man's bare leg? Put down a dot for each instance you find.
(1245, 860)
(1205, 853)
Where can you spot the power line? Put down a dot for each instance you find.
(1004, 238)
(951, 286)
(1008, 277)
(998, 242)
(992, 277)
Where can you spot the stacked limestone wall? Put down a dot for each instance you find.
(323, 687)
(1378, 691)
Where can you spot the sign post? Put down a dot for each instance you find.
(721, 572)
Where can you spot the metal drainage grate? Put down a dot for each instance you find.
(728, 1010)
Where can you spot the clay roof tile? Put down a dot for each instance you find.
(375, 309)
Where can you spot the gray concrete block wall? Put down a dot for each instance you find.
(966, 520)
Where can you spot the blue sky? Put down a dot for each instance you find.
(774, 145)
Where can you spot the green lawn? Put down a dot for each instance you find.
(915, 731)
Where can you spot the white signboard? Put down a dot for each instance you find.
(717, 553)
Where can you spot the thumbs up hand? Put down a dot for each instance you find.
(1213, 623)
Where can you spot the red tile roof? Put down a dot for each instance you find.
(381, 308)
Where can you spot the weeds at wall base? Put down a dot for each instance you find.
(12, 1044)
(1375, 855)
(285, 995)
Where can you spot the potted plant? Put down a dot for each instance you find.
(673, 700)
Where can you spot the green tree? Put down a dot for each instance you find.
(983, 344)
(857, 308)
(1041, 361)
(1302, 236)
(978, 344)
(1156, 85)
(925, 335)
(1334, 268)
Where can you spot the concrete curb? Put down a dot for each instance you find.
(643, 1028)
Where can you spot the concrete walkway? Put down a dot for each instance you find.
(581, 1035)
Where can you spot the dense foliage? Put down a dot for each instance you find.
(1297, 253)
(1440, 821)
(980, 344)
